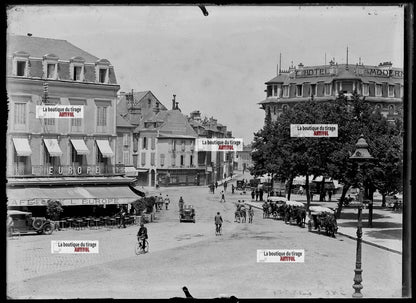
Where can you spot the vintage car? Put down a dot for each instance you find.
(187, 214)
(23, 222)
(240, 185)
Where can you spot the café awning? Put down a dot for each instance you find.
(53, 147)
(80, 146)
(71, 195)
(105, 148)
(22, 147)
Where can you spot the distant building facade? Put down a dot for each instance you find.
(218, 165)
(243, 159)
(381, 85)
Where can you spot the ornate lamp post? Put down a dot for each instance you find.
(360, 156)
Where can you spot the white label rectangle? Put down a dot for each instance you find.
(280, 255)
(218, 144)
(313, 130)
(74, 247)
(60, 111)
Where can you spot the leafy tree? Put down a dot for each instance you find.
(54, 209)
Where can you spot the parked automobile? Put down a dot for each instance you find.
(187, 214)
(23, 222)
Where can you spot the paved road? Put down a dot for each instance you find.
(190, 254)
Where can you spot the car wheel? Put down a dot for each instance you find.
(47, 229)
(37, 223)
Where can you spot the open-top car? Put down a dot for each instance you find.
(23, 222)
(187, 214)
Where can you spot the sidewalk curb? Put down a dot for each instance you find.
(371, 243)
(355, 238)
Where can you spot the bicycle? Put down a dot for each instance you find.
(139, 247)
(218, 230)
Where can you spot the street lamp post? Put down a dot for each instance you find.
(360, 155)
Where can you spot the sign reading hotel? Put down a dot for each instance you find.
(373, 72)
(219, 144)
(60, 111)
(313, 130)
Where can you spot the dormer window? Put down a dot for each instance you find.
(50, 66)
(285, 91)
(102, 75)
(77, 69)
(20, 64)
(102, 69)
(299, 90)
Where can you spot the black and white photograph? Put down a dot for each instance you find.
(202, 151)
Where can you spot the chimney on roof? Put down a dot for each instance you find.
(173, 102)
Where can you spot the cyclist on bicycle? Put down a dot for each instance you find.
(218, 222)
(142, 235)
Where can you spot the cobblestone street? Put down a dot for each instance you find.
(190, 254)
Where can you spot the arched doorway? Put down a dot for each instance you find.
(152, 178)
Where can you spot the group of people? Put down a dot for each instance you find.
(257, 194)
(160, 201)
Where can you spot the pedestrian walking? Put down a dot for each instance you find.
(252, 194)
(257, 193)
(167, 201)
(216, 184)
(222, 196)
(261, 194)
(122, 218)
(181, 203)
(250, 215)
(160, 201)
(232, 188)
(225, 185)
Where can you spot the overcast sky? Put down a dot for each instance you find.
(220, 62)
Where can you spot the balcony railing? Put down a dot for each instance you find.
(65, 170)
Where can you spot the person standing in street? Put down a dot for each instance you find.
(261, 194)
(167, 201)
(181, 203)
(329, 195)
(257, 194)
(232, 188)
(222, 196)
(253, 194)
(216, 184)
(225, 186)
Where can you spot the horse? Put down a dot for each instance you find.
(265, 210)
(243, 215)
(237, 216)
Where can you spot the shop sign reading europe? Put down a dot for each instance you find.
(69, 170)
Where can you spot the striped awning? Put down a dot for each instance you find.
(53, 147)
(22, 147)
(80, 146)
(105, 148)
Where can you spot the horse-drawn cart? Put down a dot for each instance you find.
(322, 218)
(296, 211)
(275, 207)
